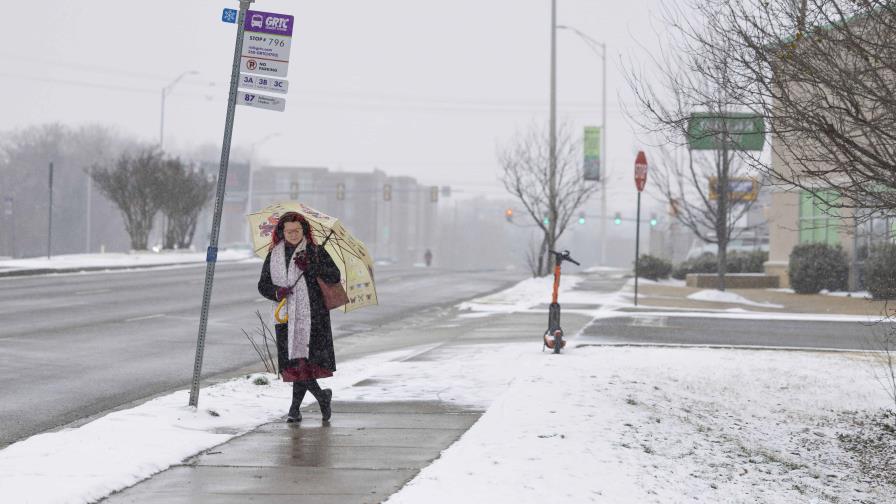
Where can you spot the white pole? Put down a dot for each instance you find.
(606, 163)
(89, 206)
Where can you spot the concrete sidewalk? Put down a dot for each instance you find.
(366, 452)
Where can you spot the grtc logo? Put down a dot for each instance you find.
(277, 23)
(257, 20)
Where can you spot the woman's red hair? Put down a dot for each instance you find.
(277, 235)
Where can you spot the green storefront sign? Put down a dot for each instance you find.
(591, 146)
(744, 131)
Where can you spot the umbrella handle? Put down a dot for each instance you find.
(280, 306)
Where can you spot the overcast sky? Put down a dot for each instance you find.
(414, 87)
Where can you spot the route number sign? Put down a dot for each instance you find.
(260, 101)
(262, 83)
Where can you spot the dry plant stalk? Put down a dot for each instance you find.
(262, 347)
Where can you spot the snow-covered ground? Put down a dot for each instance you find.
(639, 425)
(594, 424)
(117, 450)
(717, 296)
(119, 260)
(532, 293)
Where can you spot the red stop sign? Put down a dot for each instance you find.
(640, 171)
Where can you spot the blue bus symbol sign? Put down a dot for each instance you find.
(229, 15)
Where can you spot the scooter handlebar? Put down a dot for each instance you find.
(564, 256)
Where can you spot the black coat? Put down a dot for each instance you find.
(321, 265)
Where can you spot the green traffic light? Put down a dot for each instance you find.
(581, 220)
(653, 222)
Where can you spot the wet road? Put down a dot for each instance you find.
(76, 345)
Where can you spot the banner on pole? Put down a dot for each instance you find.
(591, 148)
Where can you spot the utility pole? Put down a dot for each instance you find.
(592, 44)
(552, 210)
(50, 214)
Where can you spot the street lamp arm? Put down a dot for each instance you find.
(593, 44)
(180, 77)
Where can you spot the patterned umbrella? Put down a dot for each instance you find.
(349, 253)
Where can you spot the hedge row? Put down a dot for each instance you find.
(737, 262)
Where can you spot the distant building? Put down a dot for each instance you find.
(394, 216)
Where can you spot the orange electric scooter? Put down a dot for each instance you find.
(553, 337)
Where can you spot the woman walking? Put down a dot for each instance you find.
(305, 343)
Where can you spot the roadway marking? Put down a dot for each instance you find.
(648, 321)
(145, 317)
(94, 291)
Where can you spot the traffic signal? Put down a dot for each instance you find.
(434, 194)
(582, 218)
(508, 214)
(387, 192)
(340, 191)
(546, 220)
(653, 220)
(617, 219)
(293, 190)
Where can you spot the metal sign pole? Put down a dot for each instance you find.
(212, 254)
(637, 246)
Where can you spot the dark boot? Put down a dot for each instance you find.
(325, 410)
(324, 398)
(298, 393)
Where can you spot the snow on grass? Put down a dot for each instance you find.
(857, 294)
(120, 449)
(522, 296)
(534, 294)
(634, 425)
(112, 260)
(717, 296)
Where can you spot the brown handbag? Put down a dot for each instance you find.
(334, 294)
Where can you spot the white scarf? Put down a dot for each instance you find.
(285, 274)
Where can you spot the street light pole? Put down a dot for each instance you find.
(593, 44)
(50, 215)
(553, 125)
(251, 177)
(165, 90)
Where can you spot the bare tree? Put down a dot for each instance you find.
(25, 155)
(550, 198)
(821, 74)
(133, 182)
(678, 91)
(184, 193)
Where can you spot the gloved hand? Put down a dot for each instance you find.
(282, 292)
(301, 261)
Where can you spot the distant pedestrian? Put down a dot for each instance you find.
(305, 343)
(428, 257)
